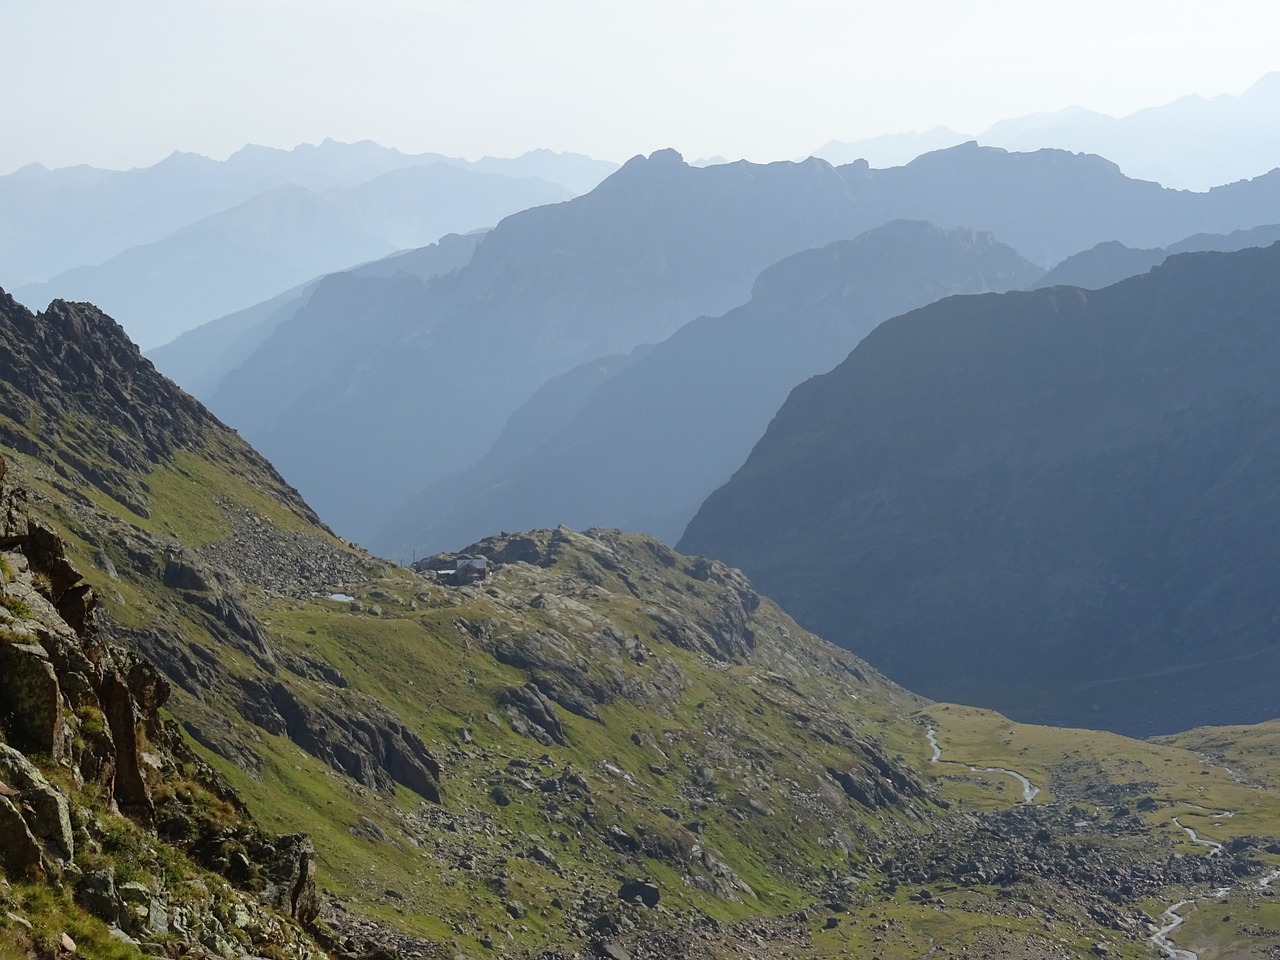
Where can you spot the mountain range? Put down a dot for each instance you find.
(645, 441)
(1057, 503)
(445, 363)
(283, 237)
(1111, 262)
(202, 357)
(190, 239)
(656, 245)
(56, 220)
(1193, 143)
(605, 749)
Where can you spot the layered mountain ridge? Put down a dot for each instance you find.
(555, 287)
(643, 448)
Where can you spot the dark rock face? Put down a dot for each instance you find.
(351, 733)
(292, 876)
(1059, 504)
(877, 783)
(32, 711)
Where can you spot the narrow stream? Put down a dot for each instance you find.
(1216, 847)
(1029, 790)
(1170, 920)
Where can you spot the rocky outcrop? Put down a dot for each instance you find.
(80, 704)
(531, 714)
(877, 782)
(54, 669)
(351, 733)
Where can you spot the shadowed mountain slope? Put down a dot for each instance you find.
(200, 359)
(1111, 262)
(427, 376)
(1057, 503)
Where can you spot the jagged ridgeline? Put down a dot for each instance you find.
(603, 748)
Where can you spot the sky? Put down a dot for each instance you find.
(125, 83)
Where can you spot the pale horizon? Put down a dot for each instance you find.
(126, 85)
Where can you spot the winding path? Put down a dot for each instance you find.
(1029, 790)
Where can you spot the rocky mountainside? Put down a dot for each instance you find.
(113, 834)
(1054, 503)
(647, 444)
(603, 749)
(653, 247)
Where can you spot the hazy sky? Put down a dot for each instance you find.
(126, 82)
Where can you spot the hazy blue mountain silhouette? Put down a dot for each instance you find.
(55, 220)
(423, 391)
(200, 359)
(429, 376)
(1194, 142)
(1111, 262)
(284, 237)
(890, 150)
(1050, 204)
(1058, 503)
(657, 433)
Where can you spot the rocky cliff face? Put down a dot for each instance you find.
(84, 754)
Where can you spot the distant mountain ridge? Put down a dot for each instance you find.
(283, 237)
(1193, 143)
(1059, 503)
(202, 357)
(56, 220)
(1111, 262)
(656, 245)
(657, 433)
